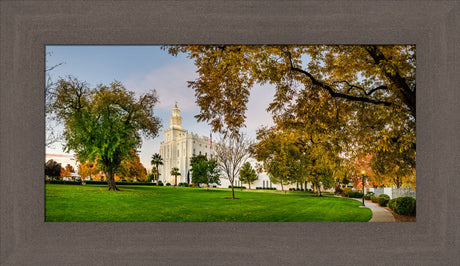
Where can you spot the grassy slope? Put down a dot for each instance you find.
(93, 203)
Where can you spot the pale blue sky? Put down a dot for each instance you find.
(141, 68)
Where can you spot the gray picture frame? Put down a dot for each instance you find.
(27, 26)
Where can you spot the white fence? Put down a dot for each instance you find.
(393, 192)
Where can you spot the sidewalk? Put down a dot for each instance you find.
(379, 214)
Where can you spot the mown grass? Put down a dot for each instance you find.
(94, 203)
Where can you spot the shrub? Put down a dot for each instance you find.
(355, 194)
(391, 204)
(96, 182)
(368, 195)
(383, 201)
(404, 205)
(346, 191)
(183, 184)
(160, 183)
(168, 184)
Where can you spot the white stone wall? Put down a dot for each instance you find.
(393, 192)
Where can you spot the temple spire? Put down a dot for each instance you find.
(175, 121)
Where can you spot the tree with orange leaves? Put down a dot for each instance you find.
(67, 170)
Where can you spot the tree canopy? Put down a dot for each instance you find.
(105, 122)
(67, 171)
(204, 171)
(88, 169)
(358, 99)
(53, 169)
(248, 174)
(132, 169)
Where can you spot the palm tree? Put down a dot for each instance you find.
(157, 160)
(175, 172)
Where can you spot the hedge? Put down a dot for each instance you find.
(63, 182)
(403, 205)
(95, 182)
(374, 199)
(267, 188)
(243, 187)
(355, 194)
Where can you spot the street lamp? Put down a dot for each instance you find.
(363, 172)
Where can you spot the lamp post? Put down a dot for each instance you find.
(362, 173)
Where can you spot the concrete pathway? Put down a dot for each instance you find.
(379, 214)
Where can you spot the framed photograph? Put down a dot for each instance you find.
(43, 42)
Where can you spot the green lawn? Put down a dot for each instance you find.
(94, 203)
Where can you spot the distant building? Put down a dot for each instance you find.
(178, 147)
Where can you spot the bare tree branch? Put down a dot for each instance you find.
(231, 153)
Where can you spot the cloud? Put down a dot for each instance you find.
(170, 82)
(259, 99)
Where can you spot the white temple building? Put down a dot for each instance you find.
(178, 147)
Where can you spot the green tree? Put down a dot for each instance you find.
(248, 174)
(151, 177)
(105, 122)
(175, 172)
(157, 161)
(204, 171)
(370, 90)
(199, 171)
(213, 170)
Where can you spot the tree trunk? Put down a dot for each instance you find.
(158, 176)
(175, 180)
(111, 181)
(318, 190)
(282, 189)
(249, 184)
(233, 191)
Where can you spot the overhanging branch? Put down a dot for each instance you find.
(338, 94)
